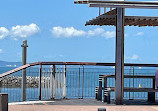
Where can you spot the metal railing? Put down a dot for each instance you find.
(56, 80)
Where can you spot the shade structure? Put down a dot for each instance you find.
(109, 18)
(118, 19)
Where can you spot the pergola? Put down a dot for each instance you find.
(117, 18)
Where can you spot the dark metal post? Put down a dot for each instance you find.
(52, 82)
(40, 75)
(119, 57)
(64, 81)
(24, 55)
(3, 102)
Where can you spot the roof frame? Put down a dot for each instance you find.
(117, 4)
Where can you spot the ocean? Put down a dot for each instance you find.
(80, 82)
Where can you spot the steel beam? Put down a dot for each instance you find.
(123, 6)
(119, 56)
(116, 2)
(24, 54)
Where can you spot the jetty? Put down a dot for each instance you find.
(56, 84)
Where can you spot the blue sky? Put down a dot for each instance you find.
(55, 32)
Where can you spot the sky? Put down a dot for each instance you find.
(55, 31)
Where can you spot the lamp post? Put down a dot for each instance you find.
(24, 57)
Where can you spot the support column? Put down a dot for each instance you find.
(24, 56)
(119, 56)
(39, 87)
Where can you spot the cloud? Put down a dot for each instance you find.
(1, 50)
(24, 31)
(133, 57)
(19, 31)
(139, 33)
(95, 32)
(101, 32)
(109, 34)
(68, 32)
(3, 32)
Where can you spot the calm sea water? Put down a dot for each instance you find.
(80, 84)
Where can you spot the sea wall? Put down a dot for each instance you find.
(15, 81)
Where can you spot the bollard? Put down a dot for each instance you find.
(3, 102)
(101, 109)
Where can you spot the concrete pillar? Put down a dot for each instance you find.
(3, 102)
(24, 56)
(119, 56)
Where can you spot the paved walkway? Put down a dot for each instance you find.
(79, 108)
(76, 105)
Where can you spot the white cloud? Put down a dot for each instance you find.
(67, 32)
(3, 32)
(19, 31)
(24, 31)
(133, 57)
(139, 33)
(109, 34)
(95, 32)
(1, 50)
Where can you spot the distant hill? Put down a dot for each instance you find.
(9, 64)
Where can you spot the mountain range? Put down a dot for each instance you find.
(9, 64)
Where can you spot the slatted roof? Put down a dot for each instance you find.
(109, 18)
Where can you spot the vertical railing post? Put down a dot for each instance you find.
(39, 87)
(24, 56)
(133, 83)
(52, 82)
(0, 85)
(64, 82)
(83, 82)
(79, 83)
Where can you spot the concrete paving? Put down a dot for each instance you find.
(78, 105)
